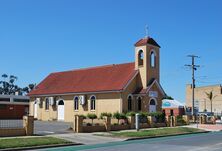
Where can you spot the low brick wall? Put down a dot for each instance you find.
(119, 127)
(12, 132)
(90, 129)
(12, 128)
(159, 125)
(145, 125)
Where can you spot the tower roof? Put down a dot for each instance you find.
(146, 40)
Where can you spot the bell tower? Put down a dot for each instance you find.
(147, 60)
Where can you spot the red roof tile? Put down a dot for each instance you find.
(147, 40)
(96, 79)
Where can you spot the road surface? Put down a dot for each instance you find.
(195, 142)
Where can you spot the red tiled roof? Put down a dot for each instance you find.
(147, 40)
(96, 79)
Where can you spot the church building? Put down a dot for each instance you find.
(112, 88)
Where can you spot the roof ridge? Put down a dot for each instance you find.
(93, 67)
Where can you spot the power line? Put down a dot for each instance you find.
(194, 67)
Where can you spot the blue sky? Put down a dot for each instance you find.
(44, 36)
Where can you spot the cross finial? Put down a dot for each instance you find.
(146, 30)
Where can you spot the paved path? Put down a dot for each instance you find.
(51, 127)
(87, 138)
(194, 142)
(207, 127)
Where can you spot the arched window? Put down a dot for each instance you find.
(140, 57)
(139, 103)
(47, 104)
(130, 103)
(76, 103)
(152, 102)
(152, 59)
(93, 103)
(152, 106)
(61, 102)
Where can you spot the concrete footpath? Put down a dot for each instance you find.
(87, 138)
(206, 127)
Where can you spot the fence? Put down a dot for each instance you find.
(110, 124)
(11, 124)
(17, 127)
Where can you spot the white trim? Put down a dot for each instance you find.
(47, 98)
(74, 100)
(76, 96)
(91, 102)
(60, 100)
(63, 110)
(130, 95)
(92, 96)
(154, 51)
(158, 85)
(156, 103)
(139, 97)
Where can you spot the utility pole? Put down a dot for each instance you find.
(194, 67)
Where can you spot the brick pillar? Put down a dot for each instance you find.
(168, 121)
(200, 120)
(150, 121)
(214, 119)
(186, 119)
(204, 119)
(107, 123)
(173, 121)
(79, 122)
(75, 123)
(28, 124)
(131, 120)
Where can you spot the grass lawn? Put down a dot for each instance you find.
(28, 142)
(157, 132)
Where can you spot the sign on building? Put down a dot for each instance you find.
(153, 94)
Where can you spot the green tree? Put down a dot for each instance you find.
(210, 96)
(91, 116)
(119, 116)
(8, 86)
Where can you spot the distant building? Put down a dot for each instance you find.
(201, 101)
(13, 106)
(173, 107)
(112, 88)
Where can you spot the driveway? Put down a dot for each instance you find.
(51, 127)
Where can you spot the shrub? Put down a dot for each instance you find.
(83, 116)
(88, 124)
(105, 114)
(160, 117)
(119, 116)
(123, 116)
(143, 114)
(181, 120)
(91, 116)
(131, 113)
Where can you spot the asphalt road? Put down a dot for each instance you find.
(196, 142)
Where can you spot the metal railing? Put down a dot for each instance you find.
(11, 123)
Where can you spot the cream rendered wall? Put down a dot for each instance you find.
(200, 95)
(107, 102)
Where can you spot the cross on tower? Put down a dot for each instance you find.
(146, 31)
